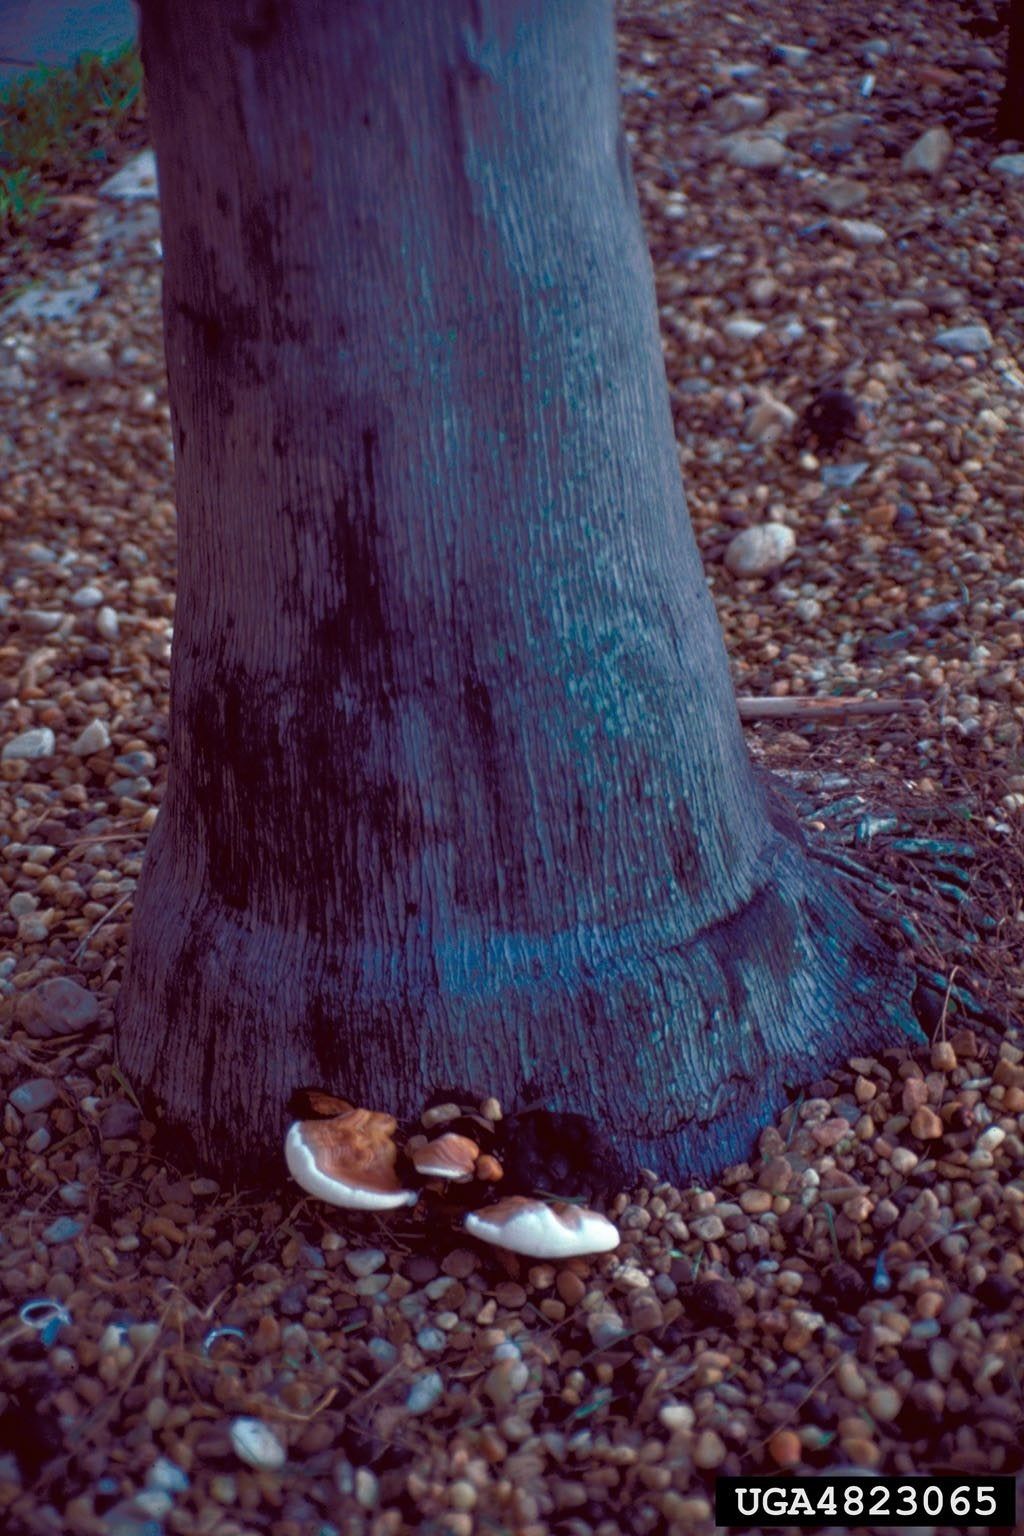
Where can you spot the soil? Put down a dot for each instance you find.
(176, 1356)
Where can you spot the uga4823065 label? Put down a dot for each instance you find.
(852, 1500)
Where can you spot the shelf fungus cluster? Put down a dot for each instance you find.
(351, 1158)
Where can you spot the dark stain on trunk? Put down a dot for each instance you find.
(684, 853)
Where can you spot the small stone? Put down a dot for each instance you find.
(710, 1229)
(365, 1261)
(367, 1488)
(82, 365)
(709, 1450)
(743, 328)
(570, 1287)
(57, 1006)
(776, 1175)
(425, 1391)
(505, 1381)
(884, 1403)
(41, 621)
(167, 1475)
(757, 551)
(840, 195)
(929, 153)
(768, 420)
(965, 340)
(91, 739)
(755, 1202)
(860, 233)
(677, 1417)
(925, 1124)
(843, 476)
(134, 182)
(86, 597)
(755, 151)
(108, 626)
(791, 53)
(904, 1161)
(30, 745)
(256, 1444)
(739, 110)
(1011, 166)
(63, 1230)
(35, 1095)
(785, 1449)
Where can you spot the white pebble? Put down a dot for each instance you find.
(36, 743)
(758, 550)
(93, 738)
(107, 625)
(87, 597)
(256, 1444)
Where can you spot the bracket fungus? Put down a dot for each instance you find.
(348, 1160)
(543, 1230)
(451, 1157)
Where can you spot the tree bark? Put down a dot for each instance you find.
(1010, 116)
(457, 788)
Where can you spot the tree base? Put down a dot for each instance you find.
(679, 1049)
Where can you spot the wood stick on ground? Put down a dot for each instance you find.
(810, 709)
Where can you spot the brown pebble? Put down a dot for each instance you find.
(785, 1449)
(488, 1169)
(943, 1056)
(570, 1287)
(709, 1450)
(459, 1264)
(925, 1124)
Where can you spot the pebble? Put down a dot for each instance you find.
(755, 151)
(925, 1124)
(743, 328)
(86, 597)
(63, 1230)
(1010, 166)
(965, 340)
(860, 232)
(840, 195)
(257, 1445)
(425, 1392)
(93, 738)
(769, 420)
(757, 551)
(929, 153)
(785, 1449)
(86, 364)
(365, 1261)
(108, 625)
(793, 54)
(57, 1006)
(34, 1095)
(739, 110)
(40, 621)
(709, 1451)
(30, 745)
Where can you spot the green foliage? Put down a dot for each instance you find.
(57, 128)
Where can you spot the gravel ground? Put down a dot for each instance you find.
(852, 1296)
